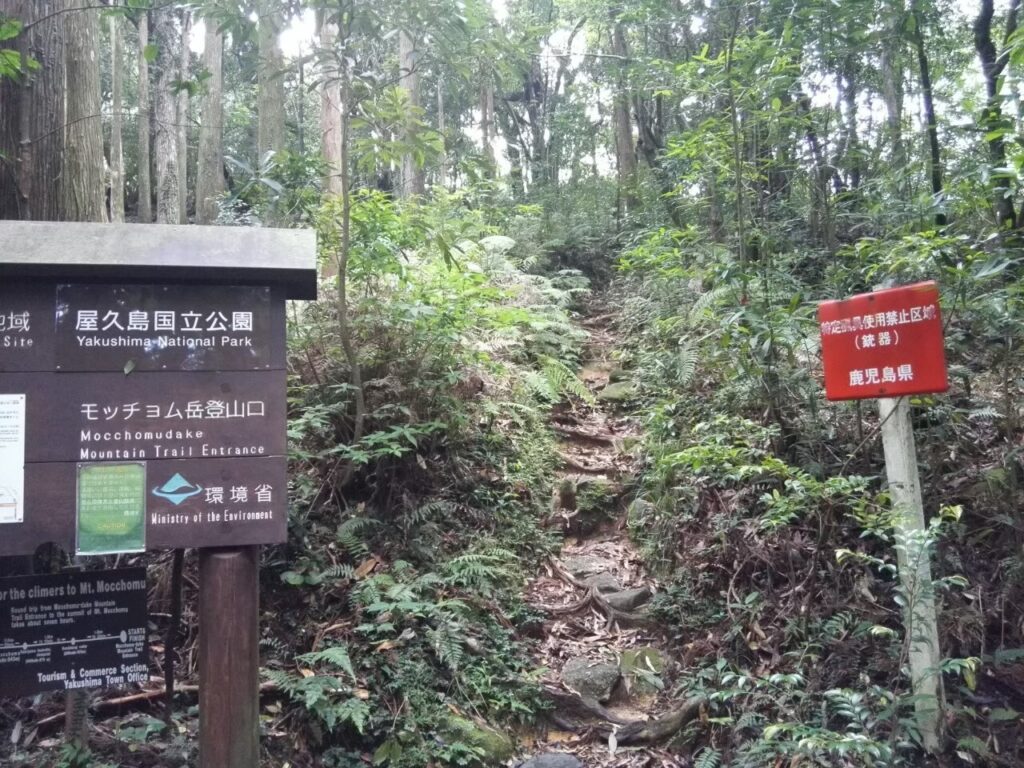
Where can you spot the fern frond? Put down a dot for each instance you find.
(708, 758)
(338, 572)
(700, 310)
(352, 533)
(564, 381)
(687, 362)
(336, 655)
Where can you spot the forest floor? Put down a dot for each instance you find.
(606, 662)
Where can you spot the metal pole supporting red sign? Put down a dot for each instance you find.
(887, 345)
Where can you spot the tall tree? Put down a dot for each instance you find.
(116, 134)
(330, 105)
(993, 64)
(32, 114)
(270, 94)
(210, 167)
(931, 121)
(183, 117)
(487, 126)
(167, 40)
(83, 177)
(625, 153)
(413, 177)
(891, 64)
(145, 159)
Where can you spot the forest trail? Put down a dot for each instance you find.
(605, 659)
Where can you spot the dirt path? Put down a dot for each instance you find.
(606, 663)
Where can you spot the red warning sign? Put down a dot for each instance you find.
(883, 344)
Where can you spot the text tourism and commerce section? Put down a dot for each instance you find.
(73, 630)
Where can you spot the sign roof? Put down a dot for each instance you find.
(160, 253)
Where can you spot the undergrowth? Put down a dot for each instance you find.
(403, 625)
(764, 509)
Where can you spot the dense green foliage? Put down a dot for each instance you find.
(784, 153)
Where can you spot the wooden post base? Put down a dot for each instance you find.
(229, 657)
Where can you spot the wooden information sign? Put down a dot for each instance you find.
(143, 406)
(171, 359)
(883, 344)
(73, 630)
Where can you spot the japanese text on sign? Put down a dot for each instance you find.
(883, 344)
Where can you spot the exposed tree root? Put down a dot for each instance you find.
(659, 729)
(602, 438)
(629, 732)
(593, 598)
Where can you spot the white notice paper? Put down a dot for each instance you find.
(12, 458)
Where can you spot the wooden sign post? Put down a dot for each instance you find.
(143, 406)
(888, 345)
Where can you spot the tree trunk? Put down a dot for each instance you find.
(851, 141)
(536, 95)
(32, 115)
(993, 62)
(270, 94)
(344, 321)
(413, 178)
(892, 87)
(931, 123)
(442, 128)
(116, 133)
(182, 119)
(166, 38)
(145, 185)
(83, 179)
(487, 127)
(210, 167)
(330, 110)
(625, 153)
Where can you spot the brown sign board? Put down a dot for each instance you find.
(143, 384)
(145, 416)
(73, 630)
(124, 328)
(26, 326)
(189, 503)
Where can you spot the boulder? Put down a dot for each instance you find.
(642, 669)
(597, 495)
(497, 747)
(640, 510)
(593, 680)
(603, 583)
(553, 760)
(619, 392)
(582, 566)
(628, 600)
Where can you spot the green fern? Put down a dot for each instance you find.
(425, 512)
(708, 758)
(481, 571)
(563, 380)
(351, 535)
(686, 364)
(336, 655)
(700, 310)
(447, 644)
(975, 745)
(338, 573)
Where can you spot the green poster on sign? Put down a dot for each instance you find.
(111, 508)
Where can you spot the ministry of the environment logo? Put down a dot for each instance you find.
(177, 489)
